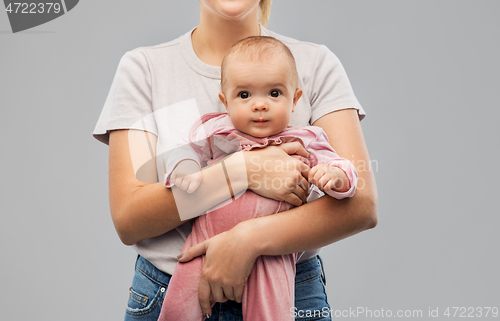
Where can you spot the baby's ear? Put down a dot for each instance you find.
(222, 98)
(296, 97)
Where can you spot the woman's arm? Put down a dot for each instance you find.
(326, 220)
(142, 208)
(230, 256)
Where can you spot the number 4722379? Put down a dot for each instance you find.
(33, 7)
(470, 312)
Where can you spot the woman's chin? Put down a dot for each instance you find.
(236, 10)
(234, 15)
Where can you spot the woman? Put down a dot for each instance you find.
(154, 83)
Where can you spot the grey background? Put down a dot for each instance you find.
(426, 72)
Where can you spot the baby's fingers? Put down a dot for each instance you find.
(317, 177)
(195, 181)
(329, 184)
(312, 173)
(193, 186)
(177, 181)
(182, 183)
(186, 181)
(325, 179)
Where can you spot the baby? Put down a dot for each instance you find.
(259, 88)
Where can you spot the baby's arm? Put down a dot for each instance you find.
(187, 176)
(335, 175)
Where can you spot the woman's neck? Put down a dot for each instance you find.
(213, 37)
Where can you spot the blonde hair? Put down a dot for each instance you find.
(265, 11)
(259, 48)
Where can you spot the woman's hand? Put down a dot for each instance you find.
(274, 174)
(229, 260)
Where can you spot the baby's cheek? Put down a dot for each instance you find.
(238, 119)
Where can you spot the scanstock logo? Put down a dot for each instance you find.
(28, 14)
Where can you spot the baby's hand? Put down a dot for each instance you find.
(187, 176)
(329, 177)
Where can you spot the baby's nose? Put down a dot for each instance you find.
(260, 105)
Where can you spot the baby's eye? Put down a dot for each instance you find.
(244, 95)
(275, 93)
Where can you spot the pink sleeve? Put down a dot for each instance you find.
(321, 151)
(190, 148)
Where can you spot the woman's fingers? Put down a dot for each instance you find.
(238, 294)
(228, 292)
(228, 263)
(294, 148)
(217, 293)
(298, 191)
(194, 251)
(204, 296)
(304, 184)
(293, 199)
(275, 174)
(304, 169)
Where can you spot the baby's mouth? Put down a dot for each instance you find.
(260, 121)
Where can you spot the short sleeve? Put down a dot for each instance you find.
(330, 87)
(129, 101)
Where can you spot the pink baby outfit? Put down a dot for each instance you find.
(269, 290)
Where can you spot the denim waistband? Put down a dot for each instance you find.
(152, 272)
(305, 270)
(309, 269)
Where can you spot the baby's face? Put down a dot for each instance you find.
(259, 96)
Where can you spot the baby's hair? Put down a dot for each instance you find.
(260, 48)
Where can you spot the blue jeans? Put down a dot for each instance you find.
(150, 284)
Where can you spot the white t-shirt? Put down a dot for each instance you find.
(163, 89)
